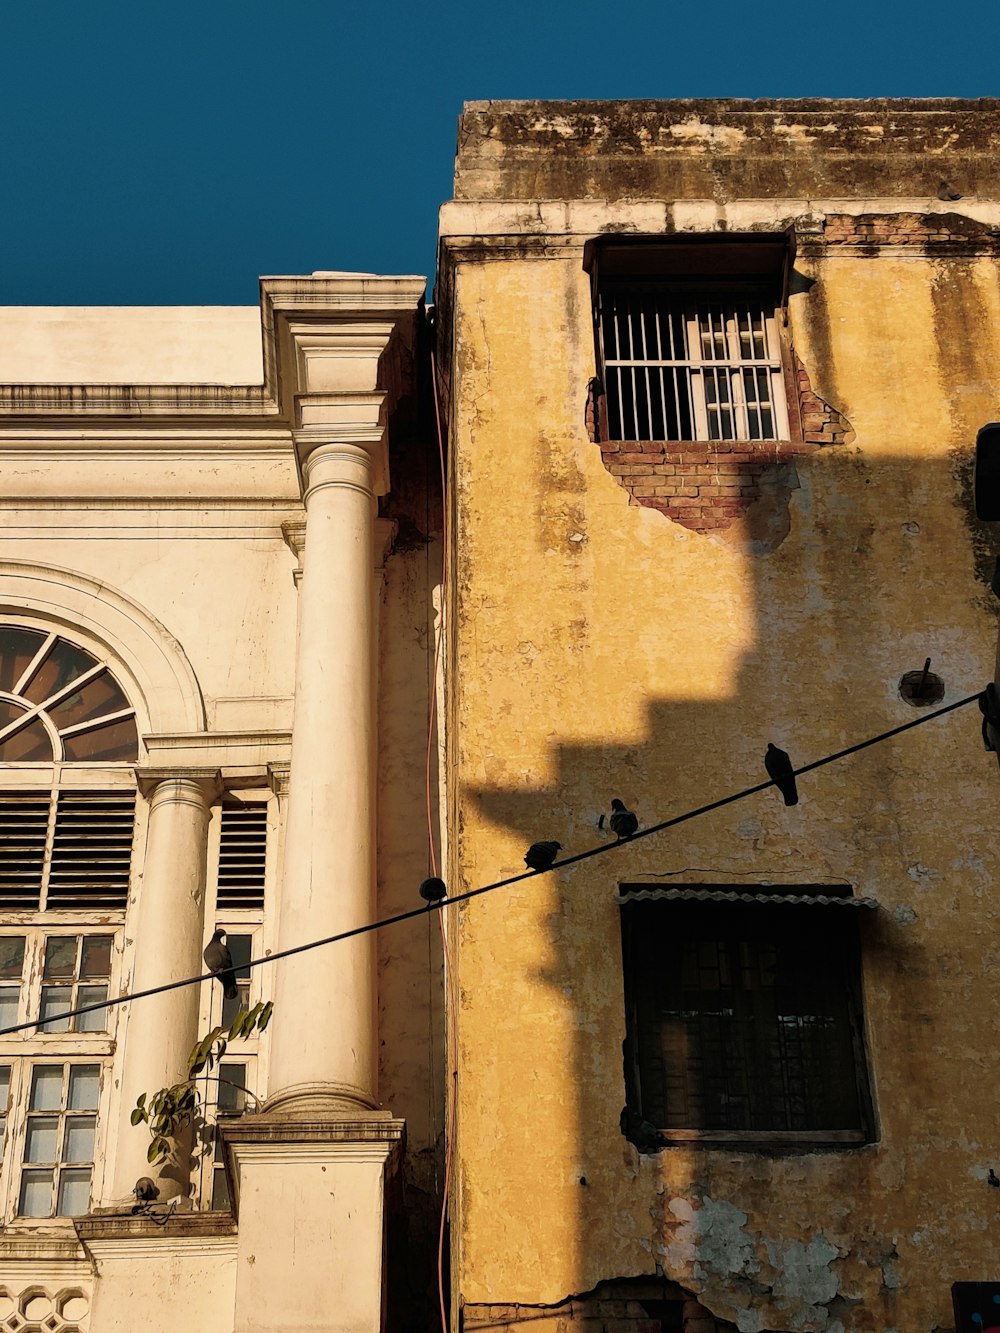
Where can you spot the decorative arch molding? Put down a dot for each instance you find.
(151, 665)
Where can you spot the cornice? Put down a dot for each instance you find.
(320, 304)
(185, 1234)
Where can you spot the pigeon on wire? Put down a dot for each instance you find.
(540, 855)
(623, 822)
(433, 890)
(989, 706)
(782, 774)
(219, 960)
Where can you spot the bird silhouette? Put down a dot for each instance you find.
(782, 774)
(989, 706)
(945, 190)
(540, 855)
(219, 960)
(993, 1179)
(640, 1132)
(433, 890)
(623, 822)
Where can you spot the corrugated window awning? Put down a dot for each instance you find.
(693, 893)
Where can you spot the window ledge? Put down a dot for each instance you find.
(765, 1138)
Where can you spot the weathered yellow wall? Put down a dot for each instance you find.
(602, 650)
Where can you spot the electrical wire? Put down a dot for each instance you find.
(451, 1056)
(601, 850)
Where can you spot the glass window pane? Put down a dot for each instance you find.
(97, 698)
(78, 1144)
(56, 1000)
(98, 1020)
(74, 1193)
(60, 957)
(220, 1189)
(117, 740)
(232, 1082)
(96, 960)
(46, 1088)
(41, 1140)
(84, 1087)
(29, 745)
(36, 1194)
(11, 957)
(17, 648)
(8, 1006)
(62, 664)
(4, 1087)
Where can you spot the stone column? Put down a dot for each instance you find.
(311, 1174)
(169, 934)
(323, 1035)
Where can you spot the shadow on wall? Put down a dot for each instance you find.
(876, 575)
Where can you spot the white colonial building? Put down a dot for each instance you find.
(218, 545)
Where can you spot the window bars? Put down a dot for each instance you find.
(680, 371)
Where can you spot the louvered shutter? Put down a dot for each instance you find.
(24, 822)
(91, 850)
(242, 856)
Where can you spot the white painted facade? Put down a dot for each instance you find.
(197, 500)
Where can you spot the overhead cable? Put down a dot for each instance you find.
(500, 883)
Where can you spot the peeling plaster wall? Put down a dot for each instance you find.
(602, 651)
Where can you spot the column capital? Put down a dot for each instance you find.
(207, 781)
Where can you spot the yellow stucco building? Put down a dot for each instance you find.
(713, 372)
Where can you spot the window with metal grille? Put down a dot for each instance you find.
(65, 850)
(242, 856)
(744, 1019)
(678, 370)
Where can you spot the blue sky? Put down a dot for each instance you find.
(160, 153)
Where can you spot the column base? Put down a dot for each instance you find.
(309, 1197)
(317, 1101)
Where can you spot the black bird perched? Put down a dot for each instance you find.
(989, 706)
(645, 1136)
(946, 191)
(782, 774)
(433, 890)
(993, 1179)
(622, 821)
(219, 960)
(540, 855)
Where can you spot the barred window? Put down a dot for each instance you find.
(688, 340)
(744, 1017)
(674, 370)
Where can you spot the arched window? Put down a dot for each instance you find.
(60, 703)
(68, 740)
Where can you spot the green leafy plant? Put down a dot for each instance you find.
(171, 1111)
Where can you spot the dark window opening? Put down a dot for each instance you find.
(745, 1019)
(688, 340)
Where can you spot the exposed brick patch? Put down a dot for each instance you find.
(700, 486)
(707, 486)
(931, 231)
(626, 1305)
(821, 423)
